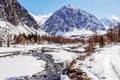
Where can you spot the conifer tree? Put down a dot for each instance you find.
(101, 42)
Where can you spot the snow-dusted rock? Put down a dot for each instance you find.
(110, 21)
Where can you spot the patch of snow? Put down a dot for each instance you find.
(19, 65)
(82, 32)
(40, 19)
(20, 47)
(114, 17)
(64, 77)
(105, 64)
(63, 56)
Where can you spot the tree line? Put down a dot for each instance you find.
(111, 37)
(34, 38)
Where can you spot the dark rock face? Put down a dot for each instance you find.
(13, 12)
(70, 17)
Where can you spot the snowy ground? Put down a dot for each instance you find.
(101, 65)
(63, 56)
(19, 66)
(21, 48)
(26, 65)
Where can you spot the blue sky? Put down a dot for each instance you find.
(99, 8)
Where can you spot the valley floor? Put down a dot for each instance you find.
(17, 61)
(103, 64)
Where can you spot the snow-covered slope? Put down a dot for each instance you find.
(15, 19)
(69, 18)
(21, 28)
(110, 21)
(40, 19)
(82, 34)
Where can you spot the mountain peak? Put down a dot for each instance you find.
(70, 7)
(69, 18)
(111, 21)
(114, 17)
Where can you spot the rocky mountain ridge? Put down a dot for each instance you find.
(12, 12)
(69, 18)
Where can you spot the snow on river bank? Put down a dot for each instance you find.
(104, 64)
(19, 66)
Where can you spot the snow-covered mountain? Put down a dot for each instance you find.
(17, 19)
(69, 18)
(40, 19)
(110, 21)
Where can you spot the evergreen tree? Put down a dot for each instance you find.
(101, 42)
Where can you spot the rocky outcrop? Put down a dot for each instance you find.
(11, 11)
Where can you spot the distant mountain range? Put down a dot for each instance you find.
(110, 21)
(72, 21)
